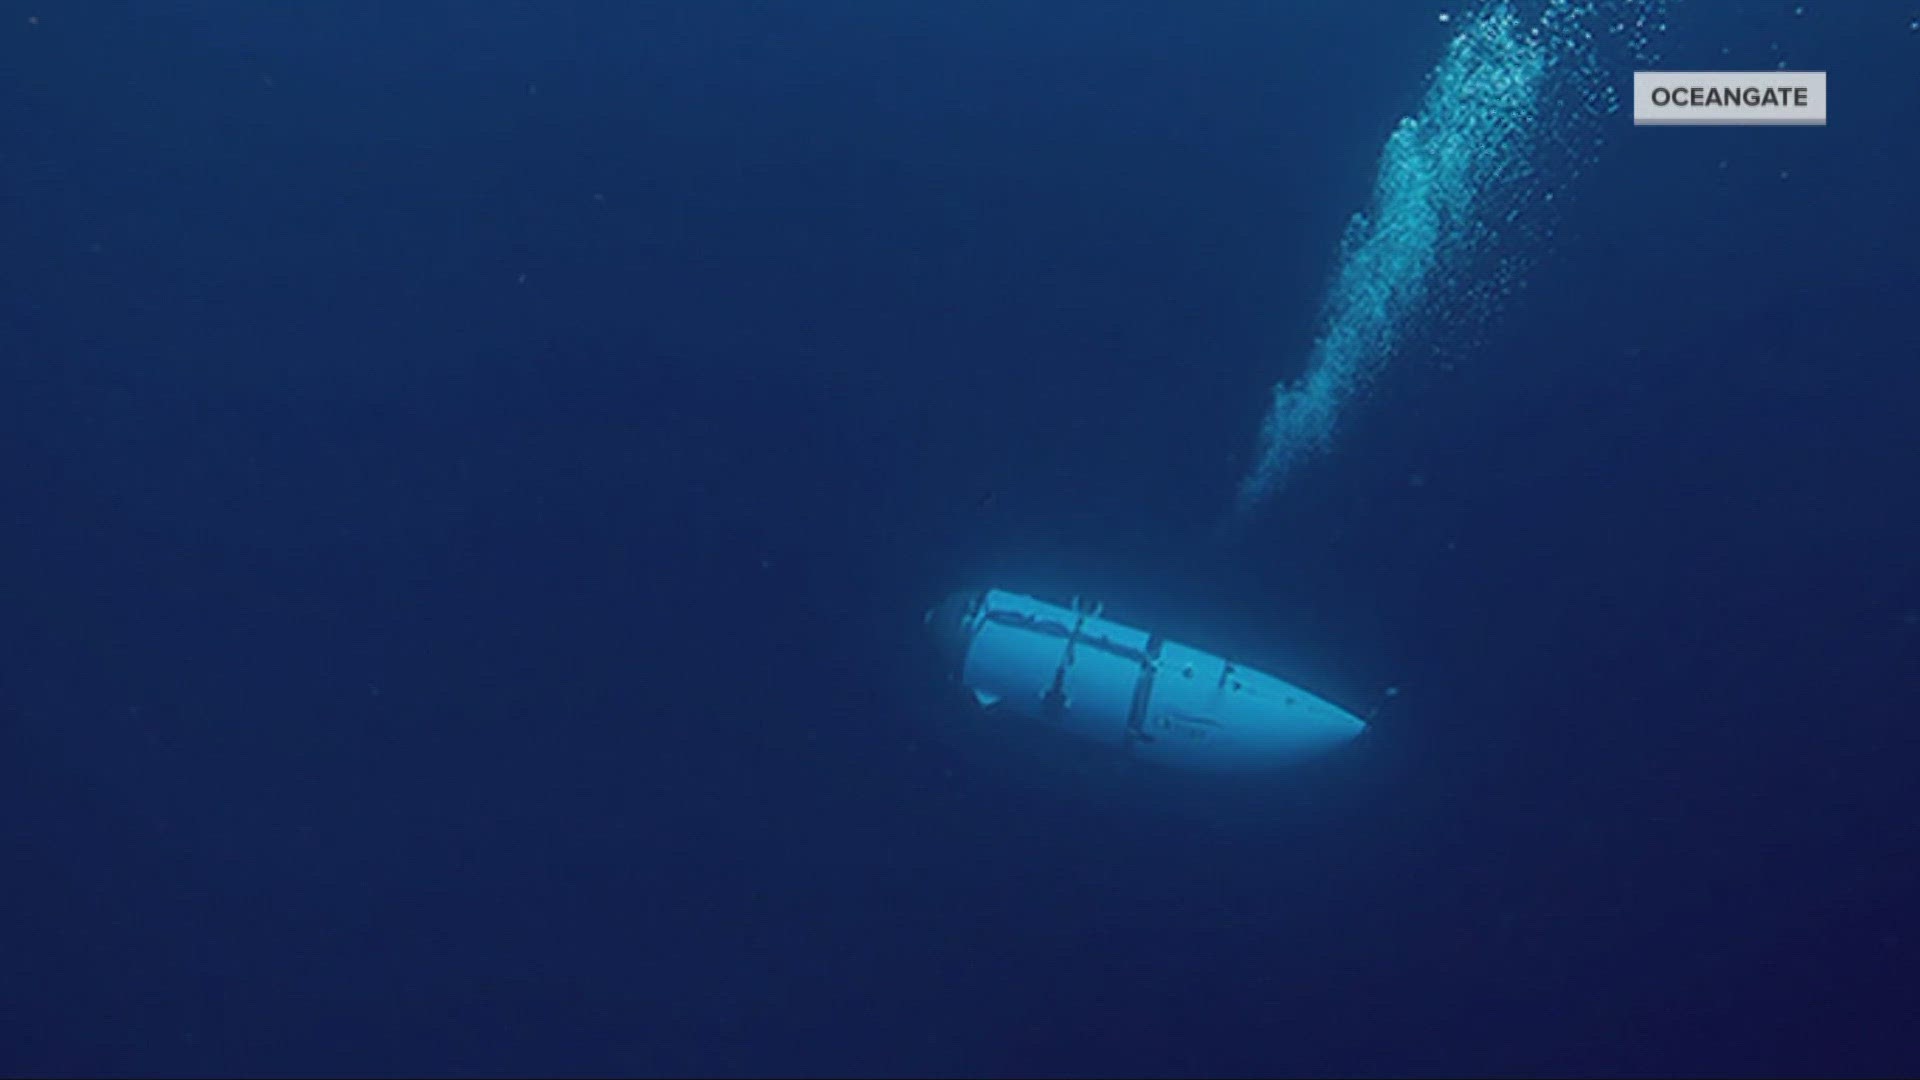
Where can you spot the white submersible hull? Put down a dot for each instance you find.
(1078, 674)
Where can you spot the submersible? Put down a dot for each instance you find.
(1072, 672)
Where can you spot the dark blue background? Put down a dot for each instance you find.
(473, 472)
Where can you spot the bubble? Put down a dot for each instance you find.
(1462, 201)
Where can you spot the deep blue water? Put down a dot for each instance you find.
(473, 474)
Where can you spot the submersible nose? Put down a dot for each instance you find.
(949, 624)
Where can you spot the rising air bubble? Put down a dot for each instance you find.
(1503, 125)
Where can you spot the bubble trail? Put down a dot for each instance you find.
(1459, 204)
